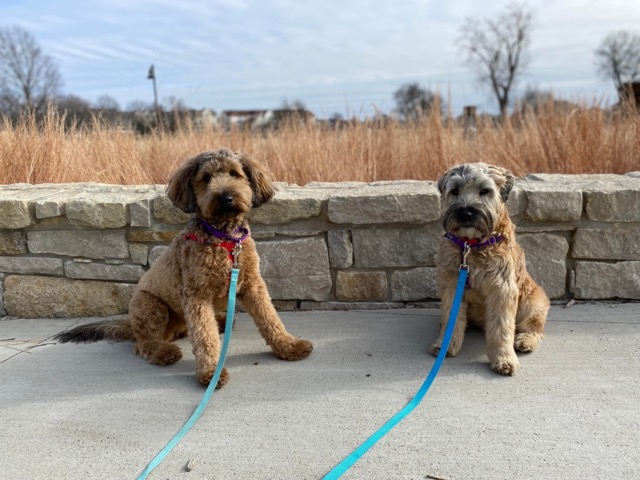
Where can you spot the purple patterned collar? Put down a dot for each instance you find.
(237, 236)
(473, 242)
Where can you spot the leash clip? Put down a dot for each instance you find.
(237, 250)
(465, 253)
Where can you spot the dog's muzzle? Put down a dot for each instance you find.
(467, 217)
(225, 205)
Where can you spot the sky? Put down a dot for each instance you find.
(336, 56)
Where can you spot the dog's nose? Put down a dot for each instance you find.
(466, 214)
(226, 199)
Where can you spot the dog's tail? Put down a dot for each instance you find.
(112, 330)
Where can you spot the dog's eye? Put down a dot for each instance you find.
(484, 191)
(455, 192)
(206, 178)
(234, 173)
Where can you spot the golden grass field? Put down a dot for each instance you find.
(582, 140)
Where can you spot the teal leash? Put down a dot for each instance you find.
(352, 458)
(231, 305)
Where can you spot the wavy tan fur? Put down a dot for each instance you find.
(502, 298)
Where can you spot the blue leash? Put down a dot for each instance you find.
(348, 462)
(231, 305)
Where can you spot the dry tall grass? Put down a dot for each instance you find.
(584, 140)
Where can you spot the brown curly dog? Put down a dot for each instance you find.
(186, 289)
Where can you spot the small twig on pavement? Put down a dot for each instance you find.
(190, 465)
(570, 303)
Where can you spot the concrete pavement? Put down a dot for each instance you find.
(97, 411)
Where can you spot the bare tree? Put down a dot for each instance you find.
(294, 105)
(497, 49)
(618, 58)
(413, 101)
(29, 79)
(107, 102)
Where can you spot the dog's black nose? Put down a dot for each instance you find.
(226, 200)
(466, 214)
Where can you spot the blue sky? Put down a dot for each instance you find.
(346, 56)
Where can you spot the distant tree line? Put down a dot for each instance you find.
(497, 50)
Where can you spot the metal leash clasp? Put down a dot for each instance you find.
(237, 250)
(465, 253)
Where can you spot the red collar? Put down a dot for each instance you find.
(233, 248)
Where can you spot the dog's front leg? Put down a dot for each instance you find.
(447, 294)
(257, 301)
(500, 328)
(203, 332)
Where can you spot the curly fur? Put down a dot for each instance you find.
(186, 289)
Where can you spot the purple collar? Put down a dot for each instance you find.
(473, 242)
(236, 236)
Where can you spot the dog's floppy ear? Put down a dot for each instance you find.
(504, 179)
(442, 181)
(260, 179)
(180, 187)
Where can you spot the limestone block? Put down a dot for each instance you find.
(607, 197)
(607, 244)
(140, 213)
(361, 286)
(13, 243)
(259, 232)
(515, 201)
(598, 280)
(16, 213)
(296, 268)
(376, 248)
(546, 257)
(349, 306)
(49, 208)
(3, 312)
(155, 253)
(152, 235)
(101, 214)
(340, 248)
(553, 206)
(289, 203)
(414, 284)
(38, 297)
(18, 201)
(102, 271)
(613, 205)
(79, 243)
(139, 253)
(165, 212)
(386, 202)
(31, 265)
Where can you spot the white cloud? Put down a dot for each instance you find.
(328, 53)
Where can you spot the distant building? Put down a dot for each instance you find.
(261, 119)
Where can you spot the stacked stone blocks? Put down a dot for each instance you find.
(79, 249)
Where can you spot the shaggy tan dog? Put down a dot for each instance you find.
(186, 289)
(500, 296)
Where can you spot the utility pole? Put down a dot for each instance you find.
(152, 76)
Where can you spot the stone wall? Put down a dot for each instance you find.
(79, 249)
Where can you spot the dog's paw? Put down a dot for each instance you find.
(505, 364)
(205, 378)
(295, 350)
(164, 353)
(526, 342)
(436, 347)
